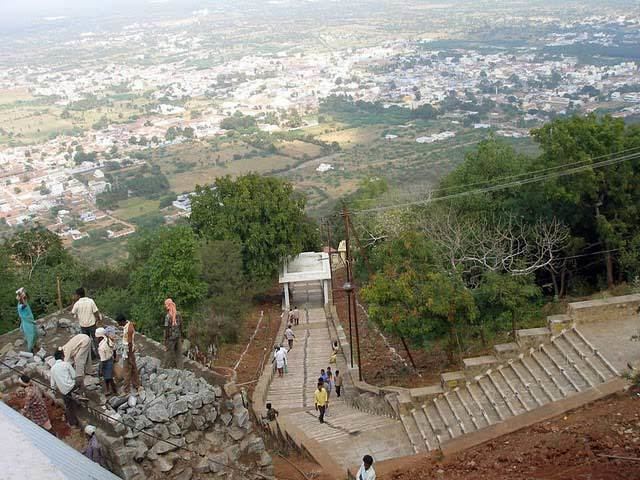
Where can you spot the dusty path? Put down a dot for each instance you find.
(568, 447)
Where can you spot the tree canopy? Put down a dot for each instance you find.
(263, 214)
(164, 265)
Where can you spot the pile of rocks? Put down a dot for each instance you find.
(193, 431)
(176, 426)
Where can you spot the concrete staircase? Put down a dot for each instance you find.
(348, 433)
(552, 371)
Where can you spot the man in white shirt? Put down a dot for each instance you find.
(63, 379)
(87, 313)
(366, 471)
(280, 358)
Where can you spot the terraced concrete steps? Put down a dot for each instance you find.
(348, 433)
(566, 365)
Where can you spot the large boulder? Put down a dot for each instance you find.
(226, 418)
(164, 464)
(178, 407)
(207, 397)
(184, 421)
(157, 413)
(241, 416)
(201, 466)
(163, 446)
(217, 462)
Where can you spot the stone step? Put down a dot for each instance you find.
(549, 354)
(451, 380)
(435, 422)
(532, 337)
(495, 400)
(506, 351)
(578, 364)
(525, 382)
(557, 323)
(428, 437)
(485, 404)
(520, 394)
(411, 429)
(510, 398)
(462, 415)
(449, 417)
(534, 370)
(598, 368)
(595, 351)
(476, 365)
(550, 372)
(473, 409)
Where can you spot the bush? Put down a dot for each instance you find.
(112, 301)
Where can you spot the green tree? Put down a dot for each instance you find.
(228, 292)
(502, 299)
(165, 264)
(420, 305)
(263, 214)
(8, 314)
(37, 246)
(411, 296)
(600, 205)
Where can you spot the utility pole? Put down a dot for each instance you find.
(328, 224)
(349, 289)
(347, 286)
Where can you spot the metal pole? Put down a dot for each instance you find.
(350, 328)
(345, 217)
(355, 319)
(330, 260)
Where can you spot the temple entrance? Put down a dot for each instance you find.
(306, 280)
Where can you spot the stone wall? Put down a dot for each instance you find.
(613, 308)
(179, 425)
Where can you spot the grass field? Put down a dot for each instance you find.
(27, 119)
(108, 252)
(135, 207)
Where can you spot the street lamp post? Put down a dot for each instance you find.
(348, 289)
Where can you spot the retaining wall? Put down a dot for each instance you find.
(608, 309)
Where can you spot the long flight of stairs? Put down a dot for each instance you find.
(552, 371)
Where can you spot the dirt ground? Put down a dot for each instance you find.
(574, 446)
(56, 414)
(250, 369)
(283, 469)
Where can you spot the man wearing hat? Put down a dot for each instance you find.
(106, 351)
(92, 451)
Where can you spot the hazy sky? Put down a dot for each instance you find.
(16, 15)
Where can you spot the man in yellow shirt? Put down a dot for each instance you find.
(321, 400)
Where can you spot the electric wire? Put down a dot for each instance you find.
(534, 172)
(503, 186)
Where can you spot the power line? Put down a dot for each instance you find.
(159, 439)
(533, 172)
(503, 186)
